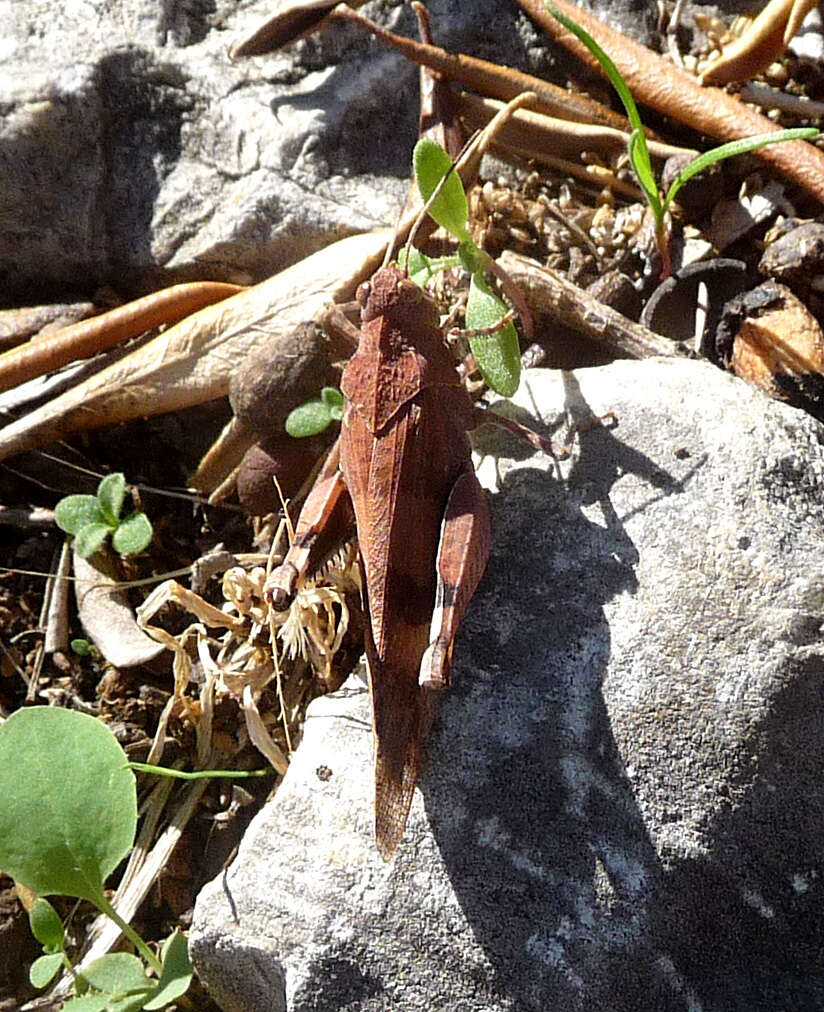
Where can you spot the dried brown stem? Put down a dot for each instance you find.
(528, 130)
(551, 294)
(488, 78)
(88, 337)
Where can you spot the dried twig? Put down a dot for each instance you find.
(193, 361)
(491, 79)
(551, 294)
(540, 134)
(88, 337)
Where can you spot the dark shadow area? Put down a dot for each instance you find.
(372, 131)
(343, 984)
(758, 943)
(544, 842)
(144, 106)
(185, 22)
(552, 862)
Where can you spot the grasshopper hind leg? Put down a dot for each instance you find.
(462, 556)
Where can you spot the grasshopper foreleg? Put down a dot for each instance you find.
(326, 520)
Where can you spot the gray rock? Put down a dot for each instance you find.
(133, 151)
(622, 808)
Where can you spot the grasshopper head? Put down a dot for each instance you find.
(390, 293)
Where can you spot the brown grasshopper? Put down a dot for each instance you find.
(405, 473)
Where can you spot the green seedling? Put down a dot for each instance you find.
(317, 415)
(68, 814)
(493, 339)
(90, 519)
(495, 348)
(639, 152)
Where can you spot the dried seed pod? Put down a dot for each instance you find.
(289, 460)
(769, 338)
(796, 257)
(268, 386)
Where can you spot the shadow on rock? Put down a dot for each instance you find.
(527, 795)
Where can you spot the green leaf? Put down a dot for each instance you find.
(642, 166)
(333, 399)
(449, 209)
(639, 153)
(68, 805)
(473, 260)
(422, 268)
(88, 1003)
(44, 969)
(89, 538)
(46, 925)
(133, 535)
(177, 972)
(309, 419)
(739, 147)
(118, 974)
(132, 1003)
(498, 354)
(110, 493)
(81, 647)
(76, 511)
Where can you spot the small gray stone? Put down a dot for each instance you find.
(622, 807)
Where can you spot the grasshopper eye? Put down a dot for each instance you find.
(363, 293)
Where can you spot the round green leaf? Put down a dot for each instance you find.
(118, 974)
(81, 647)
(333, 399)
(133, 535)
(68, 804)
(309, 419)
(46, 925)
(498, 355)
(76, 511)
(449, 209)
(89, 538)
(177, 972)
(44, 968)
(110, 494)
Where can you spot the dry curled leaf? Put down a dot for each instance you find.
(194, 360)
(107, 616)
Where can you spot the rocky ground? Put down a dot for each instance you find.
(621, 805)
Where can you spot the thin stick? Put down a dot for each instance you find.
(550, 135)
(489, 78)
(553, 295)
(88, 337)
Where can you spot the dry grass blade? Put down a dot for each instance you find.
(657, 83)
(107, 616)
(193, 361)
